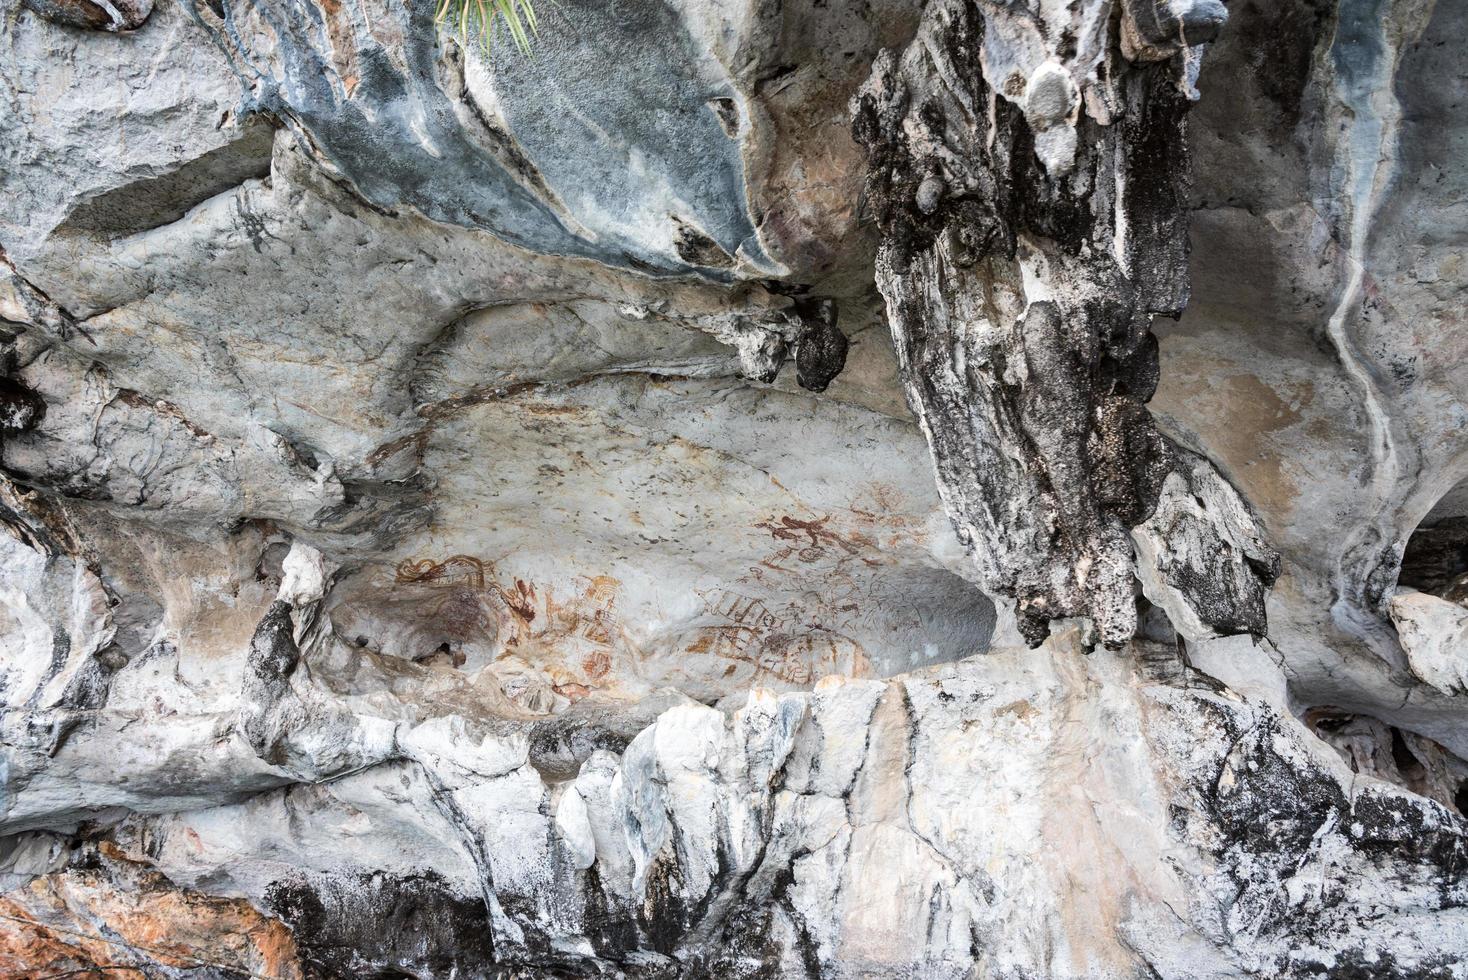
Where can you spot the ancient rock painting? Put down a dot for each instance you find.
(811, 541)
(781, 646)
(576, 637)
(462, 609)
(579, 635)
(466, 581)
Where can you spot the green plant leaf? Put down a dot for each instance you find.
(484, 17)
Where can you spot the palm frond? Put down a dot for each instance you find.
(484, 17)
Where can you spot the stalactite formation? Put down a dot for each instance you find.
(1033, 214)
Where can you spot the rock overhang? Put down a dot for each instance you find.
(556, 509)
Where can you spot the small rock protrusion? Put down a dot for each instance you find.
(930, 194)
(1050, 97)
(761, 354)
(115, 16)
(1050, 103)
(821, 353)
(306, 575)
(1155, 30)
(726, 110)
(698, 249)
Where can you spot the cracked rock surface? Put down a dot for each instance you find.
(828, 490)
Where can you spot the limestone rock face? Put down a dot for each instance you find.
(1027, 247)
(420, 556)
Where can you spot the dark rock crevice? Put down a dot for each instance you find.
(153, 202)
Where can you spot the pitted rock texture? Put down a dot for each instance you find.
(1033, 216)
(420, 556)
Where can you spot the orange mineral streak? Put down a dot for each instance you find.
(122, 919)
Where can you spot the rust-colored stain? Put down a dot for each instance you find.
(521, 599)
(1021, 709)
(791, 645)
(343, 44)
(543, 408)
(134, 399)
(478, 395)
(887, 503)
(86, 921)
(418, 441)
(601, 597)
(428, 570)
(743, 611)
(518, 597)
(1259, 461)
(800, 660)
(597, 665)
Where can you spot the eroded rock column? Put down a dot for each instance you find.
(1029, 174)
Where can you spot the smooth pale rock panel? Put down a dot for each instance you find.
(1434, 634)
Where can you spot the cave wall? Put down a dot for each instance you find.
(751, 489)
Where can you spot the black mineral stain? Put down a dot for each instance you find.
(698, 249)
(21, 407)
(1276, 40)
(1436, 556)
(380, 925)
(92, 16)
